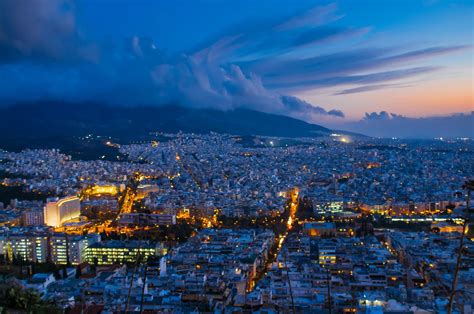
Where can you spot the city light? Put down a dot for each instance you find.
(257, 219)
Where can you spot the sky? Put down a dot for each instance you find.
(386, 68)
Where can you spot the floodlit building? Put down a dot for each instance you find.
(57, 211)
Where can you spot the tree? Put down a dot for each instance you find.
(94, 265)
(14, 297)
(78, 271)
(56, 274)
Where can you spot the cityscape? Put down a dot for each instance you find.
(215, 222)
(236, 157)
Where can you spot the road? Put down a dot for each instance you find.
(279, 240)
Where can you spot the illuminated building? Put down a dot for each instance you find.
(139, 219)
(27, 247)
(66, 249)
(446, 227)
(316, 229)
(333, 208)
(59, 249)
(118, 252)
(57, 211)
(145, 189)
(183, 214)
(98, 190)
(3, 245)
(10, 220)
(327, 254)
(32, 218)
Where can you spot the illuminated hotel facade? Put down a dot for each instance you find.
(57, 211)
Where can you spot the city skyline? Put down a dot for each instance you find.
(228, 223)
(236, 156)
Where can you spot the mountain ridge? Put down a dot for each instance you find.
(47, 120)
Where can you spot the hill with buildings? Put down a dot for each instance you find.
(47, 124)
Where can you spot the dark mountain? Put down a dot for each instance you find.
(41, 124)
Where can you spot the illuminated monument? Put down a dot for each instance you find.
(57, 211)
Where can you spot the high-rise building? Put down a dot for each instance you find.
(27, 247)
(57, 211)
(69, 249)
(3, 246)
(59, 249)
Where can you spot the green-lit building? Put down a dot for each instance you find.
(119, 252)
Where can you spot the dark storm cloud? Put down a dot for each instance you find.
(294, 104)
(41, 30)
(44, 56)
(35, 28)
(43, 59)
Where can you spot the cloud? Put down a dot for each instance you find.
(326, 34)
(371, 78)
(313, 17)
(294, 104)
(384, 124)
(256, 65)
(44, 60)
(263, 40)
(340, 68)
(336, 113)
(311, 72)
(383, 115)
(369, 88)
(140, 74)
(43, 30)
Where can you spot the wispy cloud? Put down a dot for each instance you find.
(385, 76)
(313, 17)
(370, 88)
